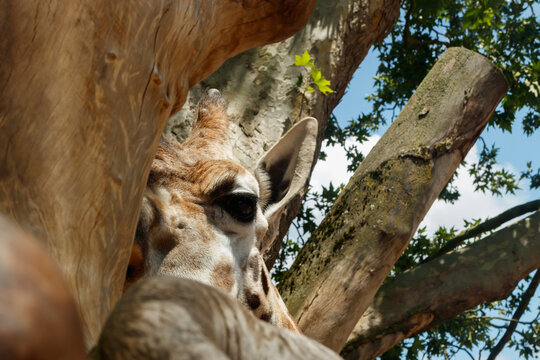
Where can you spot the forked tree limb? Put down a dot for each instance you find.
(176, 318)
(428, 294)
(87, 87)
(341, 267)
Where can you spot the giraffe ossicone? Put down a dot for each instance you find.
(204, 216)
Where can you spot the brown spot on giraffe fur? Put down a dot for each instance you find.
(254, 267)
(266, 316)
(253, 300)
(264, 282)
(164, 242)
(176, 200)
(222, 276)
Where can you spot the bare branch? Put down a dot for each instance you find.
(422, 297)
(523, 304)
(487, 225)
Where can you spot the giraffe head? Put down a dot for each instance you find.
(204, 216)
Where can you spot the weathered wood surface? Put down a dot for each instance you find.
(87, 88)
(444, 287)
(175, 318)
(38, 316)
(264, 100)
(339, 270)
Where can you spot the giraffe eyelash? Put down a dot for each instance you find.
(265, 187)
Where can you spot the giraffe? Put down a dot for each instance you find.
(204, 216)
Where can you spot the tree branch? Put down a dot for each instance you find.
(70, 135)
(487, 225)
(430, 293)
(171, 318)
(406, 27)
(346, 259)
(526, 298)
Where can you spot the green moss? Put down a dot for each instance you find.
(359, 220)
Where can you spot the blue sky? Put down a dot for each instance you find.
(515, 150)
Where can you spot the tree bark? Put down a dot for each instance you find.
(166, 318)
(339, 270)
(264, 100)
(421, 298)
(87, 88)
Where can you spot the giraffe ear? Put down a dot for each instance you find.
(288, 166)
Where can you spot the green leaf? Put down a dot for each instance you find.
(322, 84)
(304, 60)
(316, 75)
(320, 81)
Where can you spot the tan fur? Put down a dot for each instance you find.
(186, 228)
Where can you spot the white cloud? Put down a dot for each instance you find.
(470, 205)
(335, 167)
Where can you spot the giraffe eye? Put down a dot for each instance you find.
(241, 206)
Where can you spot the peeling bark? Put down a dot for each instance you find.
(87, 89)
(264, 101)
(487, 270)
(339, 270)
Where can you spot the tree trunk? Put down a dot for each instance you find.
(438, 290)
(264, 100)
(339, 270)
(87, 89)
(145, 325)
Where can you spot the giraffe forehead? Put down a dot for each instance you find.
(218, 177)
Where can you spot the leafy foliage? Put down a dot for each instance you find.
(317, 78)
(488, 178)
(508, 34)
(534, 178)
